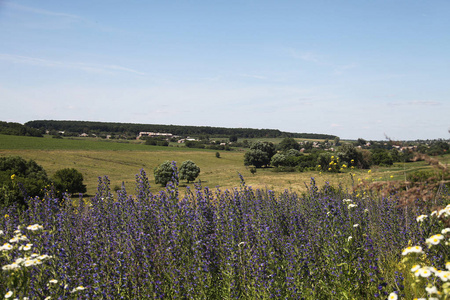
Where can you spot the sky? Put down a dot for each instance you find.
(356, 69)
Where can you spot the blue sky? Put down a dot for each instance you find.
(356, 69)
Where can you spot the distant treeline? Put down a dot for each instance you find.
(18, 129)
(131, 129)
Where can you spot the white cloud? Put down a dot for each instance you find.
(306, 56)
(339, 70)
(40, 11)
(253, 76)
(87, 67)
(416, 103)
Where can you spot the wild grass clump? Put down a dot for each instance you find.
(242, 243)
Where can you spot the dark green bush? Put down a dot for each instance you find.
(69, 180)
(20, 179)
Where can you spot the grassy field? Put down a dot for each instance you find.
(122, 161)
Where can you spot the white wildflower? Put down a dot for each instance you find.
(421, 218)
(352, 205)
(415, 268)
(14, 239)
(20, 260)
(415, 249)
(392, 296)
(6, 247)
(435, 239)
(12, 266)
(431, 290)
(78, 288)
(423, 272)
(27, 247)
(446, 230)
(35, 227)
(32, 262)
(445, 211)
(443, 275)
(8, 294)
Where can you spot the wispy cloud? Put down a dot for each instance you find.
(339, 70)
(306, 56)
(93, 68)
(40, 11)
(320, 59)
(253, 76)
(61, 18)
(416, 103)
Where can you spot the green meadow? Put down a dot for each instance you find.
(122, 160)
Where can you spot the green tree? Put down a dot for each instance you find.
(165, 173)
(189, 170)
(69, 180)
(267, 147)
(292, 152)
(381, 157)
(337, 141)
(278, 160)
(351, 156)
(20, 179)
(260, 154)
(287, 144)
(256, 157)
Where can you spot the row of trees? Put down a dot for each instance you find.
(132, 129)
(11, 128)
(20, 179)
(168, 172)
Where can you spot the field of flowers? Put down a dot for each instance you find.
(328, 243)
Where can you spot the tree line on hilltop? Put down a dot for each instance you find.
(11, 128)
(132, 130)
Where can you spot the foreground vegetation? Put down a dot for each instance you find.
(328, 243)
(340, 236)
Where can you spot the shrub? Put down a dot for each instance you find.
(165, 173)
(257, 158)
(189, 170)
(69, 180)
(20, 179)
(351, 156)
(381, 157)
(278, 160)
(287, 144)
(424, 176)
